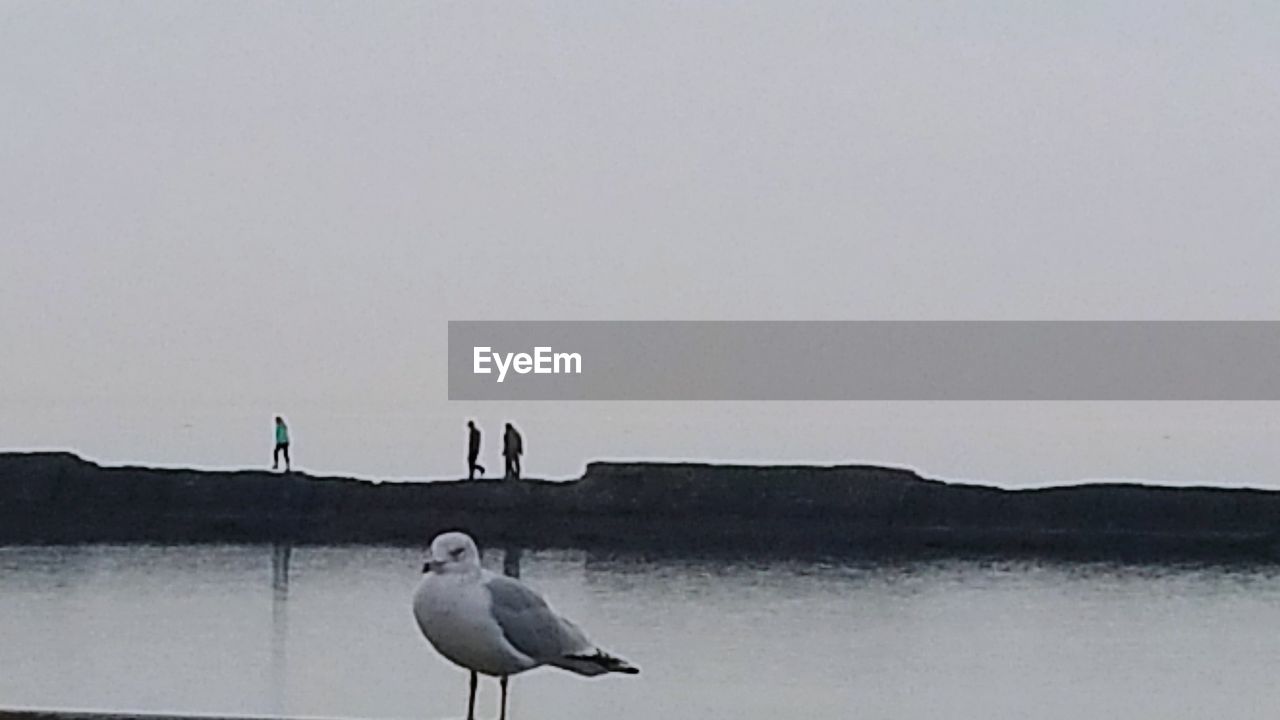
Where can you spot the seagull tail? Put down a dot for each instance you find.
(597, 663)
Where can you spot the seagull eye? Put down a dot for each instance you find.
(456, 552)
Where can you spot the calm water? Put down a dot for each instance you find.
(328, 631)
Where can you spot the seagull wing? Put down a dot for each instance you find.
(533, 628)
(529, 624)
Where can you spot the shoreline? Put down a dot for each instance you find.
(847, 510)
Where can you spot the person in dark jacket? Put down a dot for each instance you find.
(473, 451)
(512, 449)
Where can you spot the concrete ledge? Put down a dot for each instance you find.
(45, 714)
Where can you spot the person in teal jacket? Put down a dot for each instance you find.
(282, 445)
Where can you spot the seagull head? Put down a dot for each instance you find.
(452, 552)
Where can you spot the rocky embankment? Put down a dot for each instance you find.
(659, 507)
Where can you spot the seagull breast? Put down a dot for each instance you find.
(453, 614)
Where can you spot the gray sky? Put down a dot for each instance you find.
(212, 212)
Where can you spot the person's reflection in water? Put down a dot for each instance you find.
(280, 554)
(511, 561)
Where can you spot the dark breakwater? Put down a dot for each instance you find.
(658, 507)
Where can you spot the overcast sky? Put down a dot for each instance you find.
(212, 212)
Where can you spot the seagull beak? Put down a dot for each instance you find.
(426, 567)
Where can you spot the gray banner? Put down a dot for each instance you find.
(889, 360)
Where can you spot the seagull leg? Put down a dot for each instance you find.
(471, 700)
(502, 714)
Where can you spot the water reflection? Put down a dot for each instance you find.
(187, 629)
(280, 555)
(511, 561)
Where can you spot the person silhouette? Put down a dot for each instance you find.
(282, 445)
(473, 451)
(512, 449)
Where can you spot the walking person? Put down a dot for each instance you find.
(282, 445)
(512, 449)
(473, 451)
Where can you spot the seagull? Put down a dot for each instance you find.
(497, 625)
